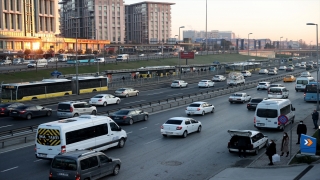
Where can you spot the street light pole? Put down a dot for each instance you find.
(207, 26)
(311, 51)
(280, 46)
(98, 62)
(77, 70)
(248, 44)
(317, 63)
(179, 53)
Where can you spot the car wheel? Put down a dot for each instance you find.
(256, 151)
(164, 135)
(258, 89)
(94, 112)
(188, 114)
(146, 118)
(49, 113)
(29, 116)
(243, 101)
(266, 144)
(137, 94)
(121, 143)
(116, 170)
(76, 115)
(185, 134)
(105, 104)
(199, 129)
(202, 113)
(131, 121)
(212, 110)
(127, 95)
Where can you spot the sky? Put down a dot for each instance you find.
(263, 18)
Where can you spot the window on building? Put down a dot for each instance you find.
(45, 7)
(104, 8)
(51, 24)
(51, 7)
(19, 21)
(12, 21)
(40, 25)
(1, 45)
(5, 5)
(8, 45)
(18, 45)
(11, 5)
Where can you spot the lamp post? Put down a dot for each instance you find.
(77, 71)
(179, 53)
(310, 50)
(248, 44)
(317, 63)
(280, 46)
(207, 26)
(98, 62)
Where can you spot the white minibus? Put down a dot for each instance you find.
(301, 83)
(86, 132)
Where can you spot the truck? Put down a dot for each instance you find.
(235, 78)
(239, 97)
(122, 57)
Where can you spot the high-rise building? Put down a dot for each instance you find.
(25, 23)
(148, 22)
(93, 19)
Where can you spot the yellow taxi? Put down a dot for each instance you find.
(289, 78)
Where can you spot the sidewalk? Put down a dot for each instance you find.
(259, 168)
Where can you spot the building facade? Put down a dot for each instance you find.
(26, 23)
(148, 22)
(213, 34)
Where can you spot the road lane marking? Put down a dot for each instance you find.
(10, 169)
(129, 132)
(175, 94)
(16, 148)
(143, 128)
(153, 141)
(6, 126)
(154, 93)
(135, 102)
(37, 160)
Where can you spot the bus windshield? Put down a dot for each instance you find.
(311, 89)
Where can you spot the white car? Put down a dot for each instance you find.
(263, 71)
(205, 83)
(303, 66)
(263, 85)
(179, 83)
(273, 72)
(180, 126)
(141, 55)
(104, 100)
(297, 65)
(282, 67)
(255, 139)
(158, 53)
(219, 78)
(52, 60)
(246, 73)
(199, 108)
(305, 74)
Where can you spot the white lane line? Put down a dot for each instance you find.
(37, 160)
(129, 132)
(135, 102)
(175, 94)
(10, 169)
(6, 126)
(17, 148)
(153, 141)
(143, 128)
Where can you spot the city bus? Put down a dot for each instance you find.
(63, 57)
(86, 58)
(48, 88)
(310, 92)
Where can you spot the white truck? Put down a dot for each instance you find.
(235, 78)
(239, 97)
(122, 57)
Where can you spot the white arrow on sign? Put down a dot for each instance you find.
(305, 142)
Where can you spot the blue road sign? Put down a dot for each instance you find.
(308, 145)
(283, 119)
(56, 73)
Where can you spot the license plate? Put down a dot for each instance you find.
(191, 112)
(116, 117)
(62, 113)
(254, 105)
(42, 155)
(169, 132)
(234, 99)
(63, 174)
(14, 112)
(260, 124)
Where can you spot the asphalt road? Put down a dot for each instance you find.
(148, 155)
(8, 123)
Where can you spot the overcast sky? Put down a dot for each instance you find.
(263, 18)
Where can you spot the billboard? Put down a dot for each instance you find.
(186, 55)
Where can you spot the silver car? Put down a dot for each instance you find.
(126, 92)
(75, 108)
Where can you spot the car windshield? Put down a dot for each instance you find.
(244, 72)
(275, 90)
(64, 164)
(267, 113)
(122, 89)
(194, 105)
(122, 112)
(175, 82)
(172, 121)
(304, 82)
(216, 76)
(274, 85)
(239, 95)
(288, 77)
(203, 81)
(256, 100)
(262, 83)
(4, 105)
(98, 96)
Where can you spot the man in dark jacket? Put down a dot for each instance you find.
(315, 118)
(242, 146)
(271, 150)
(301, 129)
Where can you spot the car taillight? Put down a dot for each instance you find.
(50, 174)
(78, 176)
(63, 149)
(179, 127)
(198, 109)
(35, 148)
(161, 127)
(254, 120)
(21, 112)
(100, 100)
(1, 109)
(124, 117)
(71, 109)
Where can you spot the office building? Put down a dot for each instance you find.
(148, 22)
(213, 34)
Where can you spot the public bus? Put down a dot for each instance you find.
(86, 58)
(63, 57)
(48, 88)
(310, 92)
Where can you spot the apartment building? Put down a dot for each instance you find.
(213, 34)
(148, 22)
(26, 23)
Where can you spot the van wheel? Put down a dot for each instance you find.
(121, 143)
(131, 121)
(116, 170)
(49, 113)
(185, 134)
(256, 151)
(29, 116)
(105, 104)
(94, 112)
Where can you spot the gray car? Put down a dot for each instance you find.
(129, 116)
(126, 92)
(83, 164)
(74, 108)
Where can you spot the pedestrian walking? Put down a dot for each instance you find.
(242, 145)
(123, 78)
(315, 118)
(271, 150)
(285, 144)
(301, 129)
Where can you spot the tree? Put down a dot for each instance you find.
(27, 52)
(61, 51)
(39, 53)
(80, 51)
(88, 51)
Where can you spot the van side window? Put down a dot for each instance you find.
(89, 163)
(113, 126)
(268, 113)
(103, 159)
(101, 129)
(80, 135)
(285, 110)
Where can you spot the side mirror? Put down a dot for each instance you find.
(109, 160)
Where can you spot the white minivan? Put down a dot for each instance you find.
(301, 82)
(86, 132)
(122, 57)
(278, 93)
(272, 113)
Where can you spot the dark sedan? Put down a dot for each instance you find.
(30, 111)
(6, 108)
(129, 116)
(252, 105)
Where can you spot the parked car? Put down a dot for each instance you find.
(289, 78)
(129, 116)
(246, 73)
(219, 78)
(141, 55)
(83, 164)
(7, 107)
(263, 85)
(31, 64)
(180, 126)
(158, 53)
(255, 140)
(205, 83)
(252, 105)
(272, 72)
(179, 83)
(30, 111)
(104, 99)
(263, 71)
(199, 108)
(282, 67)
(126, 92)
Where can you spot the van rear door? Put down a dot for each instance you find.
(268, 117)
(48, 142)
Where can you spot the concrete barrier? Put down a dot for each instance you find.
(166, 106)
(182, 102)
(174, 104)
(148, 109)
(189, 100)
(157, 108)
(195, 99)
(207, 96)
